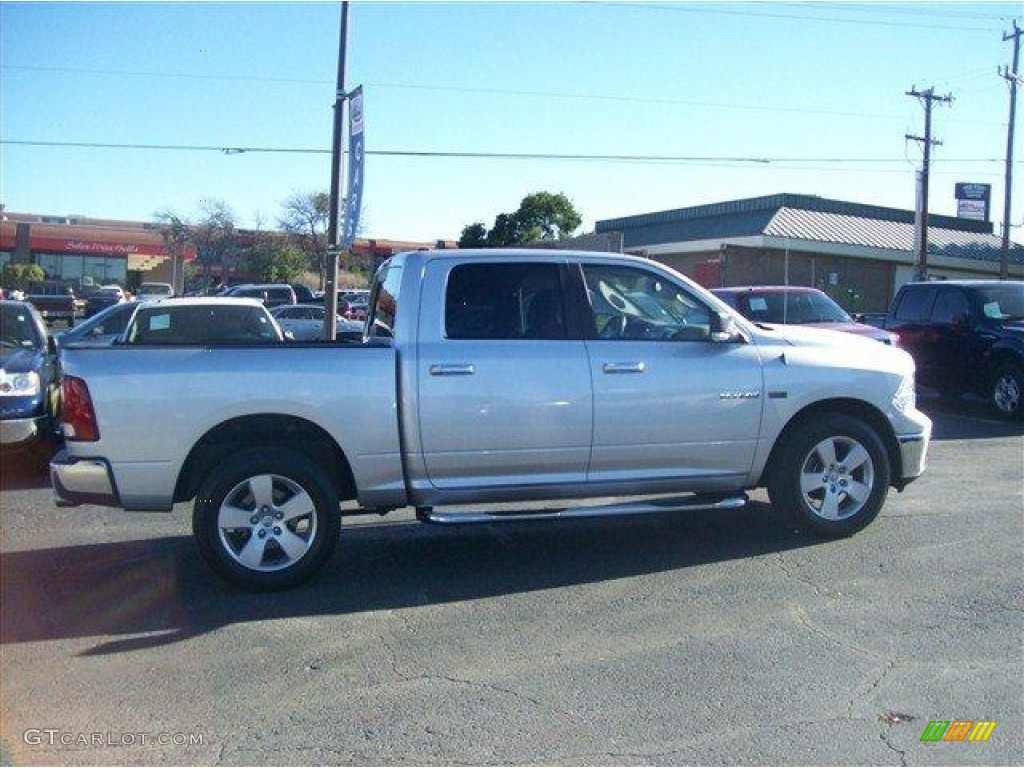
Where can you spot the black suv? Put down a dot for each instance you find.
(271, 294)
(966, 336)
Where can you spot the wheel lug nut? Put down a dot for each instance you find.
(254, 519)
(262, 533)
(279, 515)
(277, 530)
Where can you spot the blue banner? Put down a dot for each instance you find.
(354, 198)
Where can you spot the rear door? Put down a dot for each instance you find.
(912, 321)
(503, 377)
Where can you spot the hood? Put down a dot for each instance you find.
(822, 347)
(22, 360)
(815, 336)
(859, 329)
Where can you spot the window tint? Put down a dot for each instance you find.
(916, 304)
(505, 301)
(951, 306)
(632, 303)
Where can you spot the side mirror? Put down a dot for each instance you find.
(723, 328)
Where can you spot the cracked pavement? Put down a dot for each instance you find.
(702, 638)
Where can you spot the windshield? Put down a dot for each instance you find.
(17, 329)
(791, 307)
(1003, 301)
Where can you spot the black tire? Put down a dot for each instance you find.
(830, 476)
(1006, 394)
(266, 519)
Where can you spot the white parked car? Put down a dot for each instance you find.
(154, 291)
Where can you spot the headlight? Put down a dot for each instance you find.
(19, 384)
(905, 398)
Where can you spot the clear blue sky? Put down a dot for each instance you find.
(818, 88)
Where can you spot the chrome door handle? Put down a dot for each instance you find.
(452, 369)
(624, 367)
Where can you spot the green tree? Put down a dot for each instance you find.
(540, 216)
(271, 260)
(216, 237)
(20, 276)
(473, 235)
(176, 235)
(305, 219)
(546, 216)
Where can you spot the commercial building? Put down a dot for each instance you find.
(858, 253)
(87, 252)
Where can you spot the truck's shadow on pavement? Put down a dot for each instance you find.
(153, 592)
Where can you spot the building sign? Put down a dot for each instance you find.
(354, 199)
(972, 201)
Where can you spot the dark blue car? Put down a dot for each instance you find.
(28, 384)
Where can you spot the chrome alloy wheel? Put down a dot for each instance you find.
(837, 478)
(1006, 393)
(267, 522)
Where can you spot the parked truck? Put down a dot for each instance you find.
(492, 376)
(54, 300)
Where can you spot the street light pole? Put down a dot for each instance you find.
(337, 161)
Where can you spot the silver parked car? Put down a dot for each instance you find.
(306, 322)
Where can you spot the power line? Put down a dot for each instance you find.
(913, 10)
(619, 98)
(238, 150)
(717, 9)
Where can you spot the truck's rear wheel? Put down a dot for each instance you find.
(266, 519)
(830, 476)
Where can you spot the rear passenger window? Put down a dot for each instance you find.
(916, 305)
(951, 307)
(505, 301)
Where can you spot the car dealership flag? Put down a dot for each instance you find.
(354, 199)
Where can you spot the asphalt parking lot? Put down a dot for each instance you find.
(713, 639)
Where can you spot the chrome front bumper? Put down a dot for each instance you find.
(82, 481)
(18, 432)
(913, 456)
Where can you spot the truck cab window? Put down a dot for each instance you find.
(505, 301)
(632, 303)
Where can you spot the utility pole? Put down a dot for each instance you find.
(929, 98)
(1012, 77)
(337, 159)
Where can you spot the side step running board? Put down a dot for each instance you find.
(642, 507)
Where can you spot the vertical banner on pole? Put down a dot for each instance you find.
(354, 199)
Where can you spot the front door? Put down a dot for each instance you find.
(669, 403)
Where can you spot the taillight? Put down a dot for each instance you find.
(78, 418)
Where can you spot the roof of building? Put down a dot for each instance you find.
(809, 218)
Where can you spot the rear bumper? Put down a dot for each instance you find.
(82, 481)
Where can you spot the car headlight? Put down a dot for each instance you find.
(19, 384)
(905, 397)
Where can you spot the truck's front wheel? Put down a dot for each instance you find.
(831, 475)
(266, 519)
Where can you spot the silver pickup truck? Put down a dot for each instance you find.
(491, 376)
